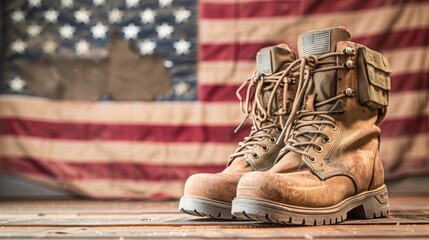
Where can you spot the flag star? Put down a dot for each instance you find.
(168, 64)
(19, 46)
(66, 3)
(164, 31)
(165, 3)
(49, 46)
(17, 16)
(181, 15)
(132, 3)
(181, 88)
(67, 31)
(131, 31)
(82, 47)
(182, 47)
(148, 16)
(99, 31)
(82, 16)
(115, 16)
(17, 84)
(51, 16)
(34, 3)
(98, 2)
(34, 30)
(147, 47)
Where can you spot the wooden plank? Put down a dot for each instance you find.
(161, 219)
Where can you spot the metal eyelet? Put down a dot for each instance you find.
(318, 149)
(349, 51)
(326, 139)
(278, 129)
(350, 64)
(333, 127)
(254, 155)
(265, 148)
(272, 140)
(312, 159)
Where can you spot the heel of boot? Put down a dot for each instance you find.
(374, 205)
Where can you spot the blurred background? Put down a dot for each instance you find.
(126, 99)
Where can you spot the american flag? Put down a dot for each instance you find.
(145, 149)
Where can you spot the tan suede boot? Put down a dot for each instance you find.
(333, 143)
(270, 92)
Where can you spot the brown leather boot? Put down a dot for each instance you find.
(269, 98)
(333, 143)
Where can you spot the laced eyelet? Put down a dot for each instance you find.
(278, 129)
(272, 140)
(265, 148)
(318, 149)
(326, 139)
(254, 155)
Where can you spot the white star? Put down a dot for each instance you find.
(168, 64)
(165, 3)
(132, 3)
(99, 31)
(148, 16)
(66, 3)
(51, 16)
(67, 31)
(115, 16)
(17, 16)
(19, 46)
(98, 2)
(34, 30)
(181, 15)
(34, 3)
(82, 47)
(147, 47)
(181, 88)
(182, 47)
(164, 31)
(131, 31)
(82, 15)
(17, 84)
(49, 46)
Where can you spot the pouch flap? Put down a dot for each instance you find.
(378, 68)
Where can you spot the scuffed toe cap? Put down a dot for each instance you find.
(220, 186)
(298, 189)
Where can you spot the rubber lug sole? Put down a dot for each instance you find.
(206, 208)
(369, 204)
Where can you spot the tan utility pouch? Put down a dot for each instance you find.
(374, 81)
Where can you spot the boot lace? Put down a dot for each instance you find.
(263, 115)
(303, 124)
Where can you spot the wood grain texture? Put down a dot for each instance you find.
(81, 219)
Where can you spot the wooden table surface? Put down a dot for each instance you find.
(85, 219)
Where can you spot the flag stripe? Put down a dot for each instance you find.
(382, 41)
(285, 29)
(400, 83)
(126, 170)
(113, 151)
(403, 61)
(115, 170)
(273, 8)
(172, 134)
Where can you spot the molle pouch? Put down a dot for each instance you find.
(374, 81)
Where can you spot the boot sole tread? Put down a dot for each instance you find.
(202, 207)
(369, 204)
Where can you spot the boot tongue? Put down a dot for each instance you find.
(269, 61)
(319, 42)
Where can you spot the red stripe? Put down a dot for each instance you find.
(118, 132)
(114, 171)
(273, 8)
(383, 41)
(400, 83)
(406, 126)
(401, 167)
(220, 134)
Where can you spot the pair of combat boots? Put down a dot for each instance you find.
(312, 156)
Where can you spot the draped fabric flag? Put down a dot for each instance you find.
(145, 149)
